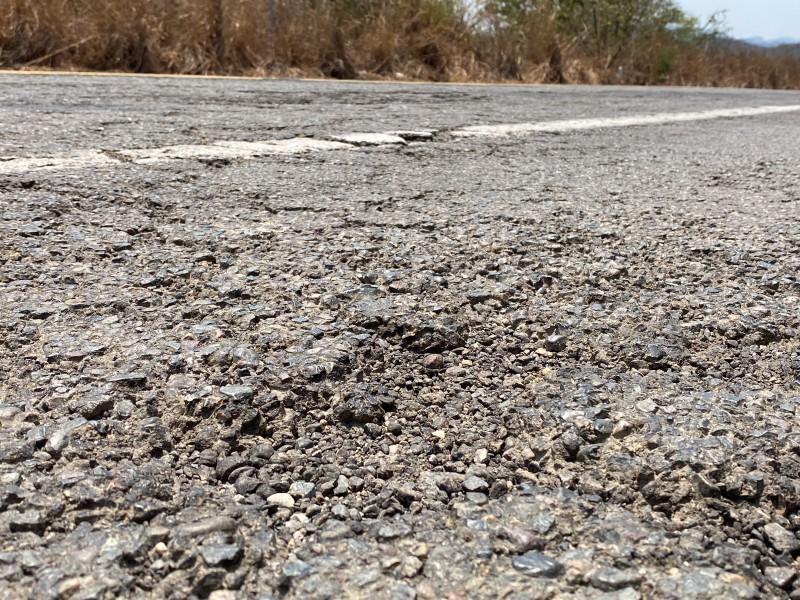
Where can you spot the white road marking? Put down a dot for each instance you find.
(74, 160)
(584, 124)
(229, 150)
(369, 139)
(290, 146)
(198, 152)
(223, 150)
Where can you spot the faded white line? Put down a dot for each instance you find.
(369, 139)
(147, 156)
(229, 150)
(290, 146)
(508, 129)
(223, 150)
(74, 160)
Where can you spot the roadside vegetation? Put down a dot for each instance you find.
(645, 42)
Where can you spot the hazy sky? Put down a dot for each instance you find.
(748, 18)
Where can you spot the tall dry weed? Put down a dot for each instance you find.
(440, 40)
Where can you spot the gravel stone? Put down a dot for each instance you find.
(477, 497)
(228, 464)
(556, 343)
(206, 526)
(609, 578)
(522, 539)
(281, 500)
(30, 520)
(475, 484)
(536, 564)
(393, 530)
(781, 539)
(296, 569)
(216, 555)
(433, 362)
(358, 407)
(302, 489)
(780, 577)
(237, 392)
(93, 406)
(129, 379)
(542, 523)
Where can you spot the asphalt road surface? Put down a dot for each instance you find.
(294, 339)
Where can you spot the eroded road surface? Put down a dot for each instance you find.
(519, 342)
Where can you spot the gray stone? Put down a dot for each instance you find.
(206, 526)
(297, 569)
(401, 591)
(237, 392)
(780, 577)
(13, 452)
(59, 439)
(302, 489)
(358, 407)
(433, 362)
(133, 379)
(522, 539)
(475, 484)
(478, 498)
(701, 583)
(93, 406)
(216, 555)
(30, 520)
(8, 412)
(226, 465)
(393, 530)
(342, 486)
(335, 530)
(780, 538)
(536, 564)
(654, 353)
(623, 594)
(647, 406)
(556, 343)
(542, 523)
(609, 578)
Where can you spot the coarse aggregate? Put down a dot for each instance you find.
(554, 366)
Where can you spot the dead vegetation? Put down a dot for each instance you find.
(555, 41)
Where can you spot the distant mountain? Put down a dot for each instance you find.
(787, 48)
(774, 43)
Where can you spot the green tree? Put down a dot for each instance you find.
(605, 29)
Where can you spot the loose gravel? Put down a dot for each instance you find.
(557, 366)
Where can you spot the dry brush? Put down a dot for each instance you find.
(557, 41)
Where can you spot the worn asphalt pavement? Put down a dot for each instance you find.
(246, 355)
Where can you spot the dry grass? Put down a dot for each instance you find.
(426, 39)
(738, 68)
(416, 39)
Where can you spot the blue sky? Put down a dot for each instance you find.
(748, 18)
